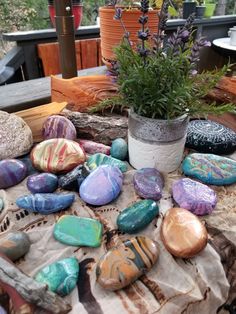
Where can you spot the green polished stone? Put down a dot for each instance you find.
(138, 216)
(101, 159)
(119, 149)
(1, 204)
(78, 231)
(60, 277)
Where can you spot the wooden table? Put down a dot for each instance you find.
(27, 94)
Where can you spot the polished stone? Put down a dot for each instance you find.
(12, 172)
(15, 245)
(73, 179)
(119, 149)
(207, 136)
(28, 163)
(91, 147)
(1, 204)
(57, 155)
(42, 183)
(97, 160)
(102, 186)
(182, 233)
(137, 216)
(194, 196)
(78, 231)
(148, 183)
(46, 203)
(60, 277)
(58, 127)
(210, 169)
(125, 263)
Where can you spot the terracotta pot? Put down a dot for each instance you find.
(112, 33)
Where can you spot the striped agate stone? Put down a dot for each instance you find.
(12, 172)
(57, 155)
(125, 263)
(58, 127)
(182, 233)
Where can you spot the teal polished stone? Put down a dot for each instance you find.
(119, 149)
(1, 204)
(136, 217)
(78, 231)
(101, 159)
(210, 169)
(60, 277)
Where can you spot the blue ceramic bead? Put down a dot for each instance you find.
(102, 186)
(45, 204)
(119, 149)
(42, 183)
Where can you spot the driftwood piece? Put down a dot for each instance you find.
(82, 92)
(36, 116)
(102, 129)
(32, 291)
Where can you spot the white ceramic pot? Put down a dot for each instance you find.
(156, 143)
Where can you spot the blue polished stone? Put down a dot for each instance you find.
(28, 163)
(119, 149)
(210, 169)
(137, 216)
(42, 183)
(45, 204)
(102, 186)
(73, 179)
(12, 172)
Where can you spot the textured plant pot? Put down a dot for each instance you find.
(112, 33)
(188, 9)
(200, 11)
(210, 8)
(156, 143)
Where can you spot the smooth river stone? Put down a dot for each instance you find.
(60, 277)
(15, 245)
(58, 127)
(194, 196)
(119, 149)
(12, 172)
(45, 204)
(207, 136)
(97, 160)
(125, 263)
(182, 233)
(57, 155)
(148, 183)
(28, 163)
(73, 179)
(210, 169)
(42, 183)
(91, 147)
(137, 216)
(1, 204)
(78, 231)
(102, 186)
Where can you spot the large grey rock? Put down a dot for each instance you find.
(15, 136)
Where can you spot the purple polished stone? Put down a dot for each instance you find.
(102, 186)
(12, 172)
(58, 127)
(42, 183)
(194, 196)
(148, 183)
(91, 147)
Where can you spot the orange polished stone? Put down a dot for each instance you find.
(182, 233)
(57, 155)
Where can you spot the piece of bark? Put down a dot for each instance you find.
(29, 289)
(101, 129)
(225, 91)
(82, 92)
(35, 117)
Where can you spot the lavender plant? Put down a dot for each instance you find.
(159, 78)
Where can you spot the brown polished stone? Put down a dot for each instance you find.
(182, 233)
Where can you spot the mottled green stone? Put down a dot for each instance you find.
(101, 159)
(119, 149)
(60, 277)
(78, 231)
(138, 216)
(1, 204)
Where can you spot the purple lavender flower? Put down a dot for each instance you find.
(144, 6)
(143, 52)
(143, 19)
(143, 35)
(118, 14)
